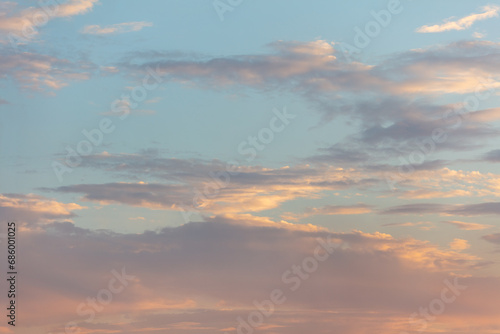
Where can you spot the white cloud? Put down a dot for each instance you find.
(468, 226)
(118, 28)
(478, 35)
(463, 23)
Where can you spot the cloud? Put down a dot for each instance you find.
(289, 60)
(313, 70)
(219, 268)
(154, 100)
(24, 25)
(255, 221)
(75, 7)
(493, 238)
(341, 155)
(480, 209)
(153, 196)
(425, 226)
(210, 186)
(467, 226)
(355, 209)
(216, 187)
(492, 156)
(394, 111)
(477, 34)
(485, 115)
(118, 28)
(416, 183)
(33, 209)
(463, 23)
(422, 71)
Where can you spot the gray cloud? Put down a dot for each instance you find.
(492, 156)
(493, 238)
(233, 262)
(490, 208)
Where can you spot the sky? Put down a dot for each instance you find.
(235, 166)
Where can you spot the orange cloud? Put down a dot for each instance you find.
(459, 244)
(34, 209)
(467, 226)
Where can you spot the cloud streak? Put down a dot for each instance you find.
(468, 226)
(462, 23)
(480, 209)
(328, 210)
(118, 28)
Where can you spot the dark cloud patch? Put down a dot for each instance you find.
(426, 165)
(493, 238)
(490, 208)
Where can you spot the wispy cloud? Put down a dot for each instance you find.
(459, 244)
(467, 226)
(492, 156)
(356, 209)
(118, 28)
(425, 226)
(463, 23)
(43, 72)
(251, 189)
(32, 209)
